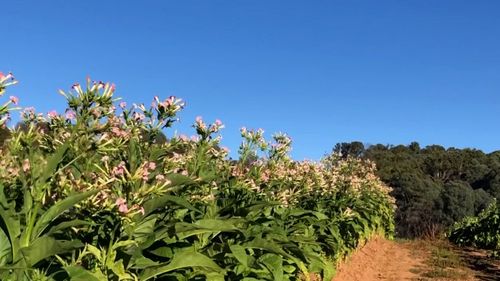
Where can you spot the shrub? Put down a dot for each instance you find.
(482, 231)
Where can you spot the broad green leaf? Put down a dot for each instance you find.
(12, 229)
(214, 276)
(57, 210)
(52, 164)
(67, 224)
(165, 252)
(125, 243)
(184, 230)
(45, 246)
(179, 179)
(274, 263)
(5, 249)
(133, 155)
(78, 273)
(118, 269)
(184, 259)
(161, 202)
(240, 254)
(3, 198)
(260, 243)
(144, 230)
(142, 262)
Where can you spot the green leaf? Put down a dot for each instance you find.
(44, 247)
(57, 209)
(240, 254)
(5, 249)
(78, 273)
(12, 229)
(184, 230)
(3, 198)
(160, 202)
(144, 230)
(184, 259)
(67, 224)
(259, 243)
(214, 276)
(274, 263)
(142, 262)
(134, 155)
(179, 179)
(52, 164)
(119, 269)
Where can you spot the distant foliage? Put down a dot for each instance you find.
(97, 192)
(433, 186)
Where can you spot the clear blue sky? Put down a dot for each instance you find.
(324, 72)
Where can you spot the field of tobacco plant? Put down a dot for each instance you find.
(94, 193)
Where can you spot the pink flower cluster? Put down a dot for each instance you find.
(70, 115)
(147, 169)
(52, 114)
(216, 126)
(121, 203)
(119, 170)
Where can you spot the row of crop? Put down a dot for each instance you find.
(481, 231)
(96, 193)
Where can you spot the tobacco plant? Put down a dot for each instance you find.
(98, 192)
(482, 231)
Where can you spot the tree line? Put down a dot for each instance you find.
(433, 186)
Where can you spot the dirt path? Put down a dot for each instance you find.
(418, 260)
(380, 259)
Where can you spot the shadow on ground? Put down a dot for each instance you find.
(485, 268)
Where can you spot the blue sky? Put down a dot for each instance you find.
(324, 72)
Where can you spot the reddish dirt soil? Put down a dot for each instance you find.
(380, 259)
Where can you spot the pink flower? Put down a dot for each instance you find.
(152, 165)
(14, 99)
(1, 75)
(119, 170)
(218, 122)
(70, 115)
(26, 165)
(141, 210)
(120, 201)
(123, 208)
(160, 177)
(13, 172)
(52, 114)
(145, 175)
(199, 119)
(122, 205)
(123, 105)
